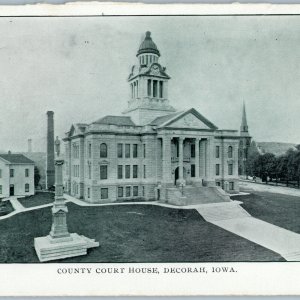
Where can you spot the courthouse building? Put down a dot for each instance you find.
(152, 151)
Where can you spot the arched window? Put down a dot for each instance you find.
(103, 150)
(230, 152)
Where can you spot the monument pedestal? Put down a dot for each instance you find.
(48, 248)
(60, 243)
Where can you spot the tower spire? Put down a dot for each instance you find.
(244, 125)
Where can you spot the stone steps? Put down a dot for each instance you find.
(193, 195)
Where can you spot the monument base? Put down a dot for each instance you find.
(48, 248)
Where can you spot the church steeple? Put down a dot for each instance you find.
(244, 125)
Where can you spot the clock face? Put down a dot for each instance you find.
(155, 69)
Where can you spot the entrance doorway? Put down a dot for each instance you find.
(11, 190)
(176, 177)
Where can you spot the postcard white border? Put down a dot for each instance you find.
(270, 278)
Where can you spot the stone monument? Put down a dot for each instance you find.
(60, 243)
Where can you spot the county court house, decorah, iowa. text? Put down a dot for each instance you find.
(152, 151)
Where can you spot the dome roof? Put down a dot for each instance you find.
(148, 46)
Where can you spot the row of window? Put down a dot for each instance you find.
(12, 173)
(26, 188)
(130, 149)
(145, 59)
(123, 191)
(229, 152)
(134, 89)
(121, 173)
(155, 88)
(230, 169)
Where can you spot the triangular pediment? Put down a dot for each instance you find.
(77, 129)
(190, 119)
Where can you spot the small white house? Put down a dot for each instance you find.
(16, 175)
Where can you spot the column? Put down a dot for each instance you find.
(166, 159)
(59, 228)
(180, 162)
(197, 158)
(210, 162)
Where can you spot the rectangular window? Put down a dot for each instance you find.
(144, 171)
(103, 172)
(128, 191)
(154, 88)
(127, 150)
(217, 151)
(135, 151)
(192, 150)
(11, 172)
(135, 171)
(161, 89)
(120, 150)
(192, 170)
(135, 191)
(231, 186)
(90, 171)
(149, 88)
(90, 150)
(120, 172)
(120, 191)
(127, 171)
(0, 189)
(218, 183)
(104, 193)
(143, 191)
(144, 150)
(89, 192)
(0, 173)
(26, 188)
(230, 169)
(217, 169)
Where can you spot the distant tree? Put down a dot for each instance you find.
(37, 176)
(253, 156)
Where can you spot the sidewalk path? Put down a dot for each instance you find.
(233, 218)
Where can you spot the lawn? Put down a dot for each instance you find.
(278, 209)
(40, 198)
(5, 208)
(132, 233)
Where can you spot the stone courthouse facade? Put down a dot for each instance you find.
(152, 151)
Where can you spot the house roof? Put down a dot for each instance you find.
(16, 158)
(161, 120)
(115, 120)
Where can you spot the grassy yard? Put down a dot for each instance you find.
(278, 209)
(132, 233)
(5, 208)
(40, 198)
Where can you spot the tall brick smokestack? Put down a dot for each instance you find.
(29, 145)
(50, 171)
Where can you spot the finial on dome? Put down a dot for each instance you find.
(148, 34)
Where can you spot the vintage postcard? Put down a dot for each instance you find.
(149, 150)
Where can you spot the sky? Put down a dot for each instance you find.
(78, 67)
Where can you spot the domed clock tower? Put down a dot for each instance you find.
(148, 82)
